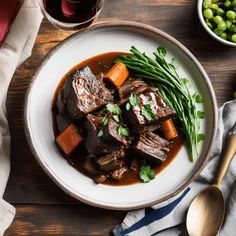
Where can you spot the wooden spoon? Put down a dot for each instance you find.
(206, 212)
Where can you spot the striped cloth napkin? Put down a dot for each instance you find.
(16, 48)
(163, 219)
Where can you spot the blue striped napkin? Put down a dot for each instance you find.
(163, 219)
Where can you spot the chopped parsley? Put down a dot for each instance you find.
(114, 109)
(122, 130)
(133, 101)
(100, 133)
(147, 112)
(146, 174)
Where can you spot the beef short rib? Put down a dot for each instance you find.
(83, 93)
(135, 118)
(151, 146)
(93, 143)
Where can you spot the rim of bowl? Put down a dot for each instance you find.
(105, 24)
(208, 30)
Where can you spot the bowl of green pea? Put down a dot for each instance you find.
(218, 17)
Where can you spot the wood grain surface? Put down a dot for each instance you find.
(42, 208)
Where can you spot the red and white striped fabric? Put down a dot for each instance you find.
(16, 48)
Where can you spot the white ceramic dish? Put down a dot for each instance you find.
(208, 30)
(100, 38)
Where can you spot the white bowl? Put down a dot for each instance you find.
(208, 30)
(100, 38)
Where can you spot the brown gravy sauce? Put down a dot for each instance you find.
(102, 63)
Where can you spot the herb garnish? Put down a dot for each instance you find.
(146, 174)
(104, 120)
(147, 112)
(133, 101)
(116, 112)
(100, 133)
(114, 109)
(122, 130)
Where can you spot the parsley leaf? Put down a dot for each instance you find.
(146, 174)
(104, 120)
(100, 133)
(116, 118)
(122, 130)
(133, 99)
(114, 109)
(147, 112)
(128, 106)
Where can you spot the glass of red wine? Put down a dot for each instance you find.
(71, 14)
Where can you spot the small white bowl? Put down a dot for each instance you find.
(208, 30)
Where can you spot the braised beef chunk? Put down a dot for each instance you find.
(152, 147)
(93, 142)
(90, 166)
(100, 178)
(111, 133)
(61, 102)
(136, 86)
(111, 161)
(83, 93)
(151, 109)
(118, 174)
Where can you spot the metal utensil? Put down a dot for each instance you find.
(206, 212)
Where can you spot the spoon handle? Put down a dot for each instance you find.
(229, 152)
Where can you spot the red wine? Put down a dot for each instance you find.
(79, 10)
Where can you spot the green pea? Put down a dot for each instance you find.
(227, 4)
(206, 4)
(220, 12)
(218, 19)
(233, 38)
(230, 14)
(208, 13)
(233, 3)
(213, 6)
(232, 28)
(223, 35)
(222, 26)
(228, 24)
(217, 31)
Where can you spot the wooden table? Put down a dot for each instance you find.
(42, 208)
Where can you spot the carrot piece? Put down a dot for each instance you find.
(117, 74)
(168, 129)
(69, 139)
